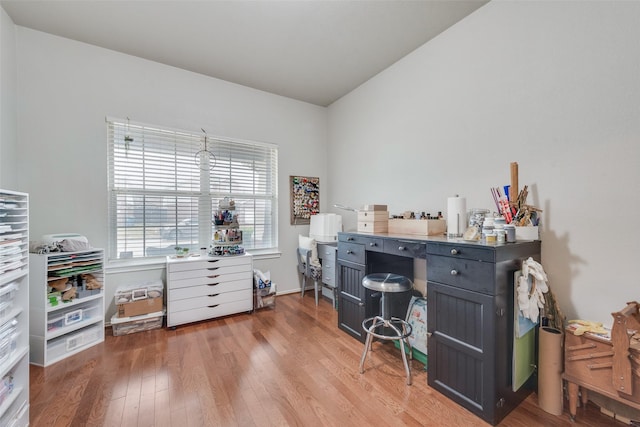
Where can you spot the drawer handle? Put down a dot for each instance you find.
(429, 334)
(213, 276)
(350, 239)
(401, 248)
(213, 306)
(373, 244)
(360, 304)
(213, 295)
(213, 260)
(454, 252)
(213, 284)
(213, 268)
(349, 252)
(454, 272)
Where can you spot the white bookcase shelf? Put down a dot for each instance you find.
(60, 329)
(14, 308)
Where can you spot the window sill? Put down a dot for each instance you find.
(141, 264)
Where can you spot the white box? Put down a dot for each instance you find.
(324, 227)
(527, 233)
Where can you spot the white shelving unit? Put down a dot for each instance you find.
(60, 329)
(14, 308)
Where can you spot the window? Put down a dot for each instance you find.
(164, 189)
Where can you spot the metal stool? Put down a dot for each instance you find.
(383, 283)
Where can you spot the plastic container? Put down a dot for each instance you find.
(130, 325)
(511, 233)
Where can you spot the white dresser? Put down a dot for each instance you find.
(205, 288)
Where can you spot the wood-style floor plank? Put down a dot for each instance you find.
(283, 366)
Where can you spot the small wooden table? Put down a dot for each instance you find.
(610, 367)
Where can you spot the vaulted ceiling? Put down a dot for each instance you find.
(310, 50)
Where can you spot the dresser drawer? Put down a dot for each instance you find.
(208, 289)
(353, 252)
(188, 264)
(404, 248)
(204, 313)
(212, 279)
(210, 272)
(465, 251)
(475, 276)
(211, 300)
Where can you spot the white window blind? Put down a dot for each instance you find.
(164, 191)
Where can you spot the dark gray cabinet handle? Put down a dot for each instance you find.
(454, 272)
(349, 251)
(454, 252)
(350, 239)
(373, 244)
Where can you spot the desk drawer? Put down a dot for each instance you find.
(326, 252)
(475, 276)
(465, 251)
(329, 274)
(372, 243)
(404, 248)
(353, 252)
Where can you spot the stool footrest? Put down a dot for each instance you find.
(372, 323)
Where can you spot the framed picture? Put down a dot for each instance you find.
(305, 198)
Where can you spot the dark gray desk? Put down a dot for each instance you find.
(470, 309)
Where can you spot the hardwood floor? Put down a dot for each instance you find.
(288, 366)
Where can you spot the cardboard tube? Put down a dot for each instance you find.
(550, 347)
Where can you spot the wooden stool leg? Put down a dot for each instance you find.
(573, 399)
(584, 396)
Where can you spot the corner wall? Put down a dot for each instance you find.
(8, 139)
(552, 85)
(66, 89)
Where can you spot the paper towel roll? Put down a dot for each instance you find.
(456, 216)
(550, 370)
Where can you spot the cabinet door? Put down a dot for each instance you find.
(462, 346)
(351, 298)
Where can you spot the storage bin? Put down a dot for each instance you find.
(130, 325)
(8, 339)
(7, 292)
(68, 343)
(139, 299)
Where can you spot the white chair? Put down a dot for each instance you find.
(309, 266)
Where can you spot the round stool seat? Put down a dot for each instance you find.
(387, 282)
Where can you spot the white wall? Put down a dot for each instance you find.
(551, 85)
(8, 139)
(66, 89)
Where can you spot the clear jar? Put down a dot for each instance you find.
(477, 216)
(501, 236)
